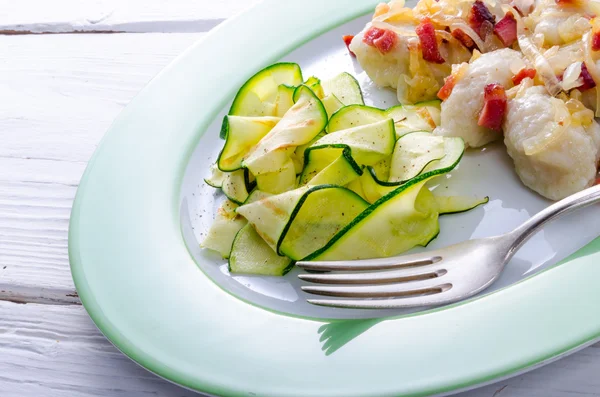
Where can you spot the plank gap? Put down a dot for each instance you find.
(42, 296)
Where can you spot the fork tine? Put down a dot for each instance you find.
(423, 287)
(398, 303)
(422, 259)
(392, 276)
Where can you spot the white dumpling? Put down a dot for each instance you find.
(384, 69)
(460, 111)
(567, 162)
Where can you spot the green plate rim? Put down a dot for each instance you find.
(466, 344)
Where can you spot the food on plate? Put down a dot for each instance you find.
(308, 171)
(547, 51)
(474, 105)
(555, 144)
(413, 50)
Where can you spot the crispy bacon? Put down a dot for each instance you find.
(386, 42)
(372, 34)
(596, 41)
(347, 40)
(429, 44)
(494, 107)
(588, 81)
(447, 88)
(382, 39)
(506, 29)
(478, 15)
(464, 38)
(523, 74)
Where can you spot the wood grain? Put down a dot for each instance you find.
(60, 93)
(56, 351)
(133, 16)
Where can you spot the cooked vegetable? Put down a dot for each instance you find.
(329, 165)
(457, 204)
(242, 134)
(404, 218)
(305, 192)
(251, 255)
(235, 186)
(413, 152)
(258, 96)
(298, 126)
(369, 143)
(224, 228)
(345, 88)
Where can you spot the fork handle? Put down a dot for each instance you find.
(567, 205)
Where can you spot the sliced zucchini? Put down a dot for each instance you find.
(346, 88)
(314, 84)
(235, 186)
(251, 255)
(269, 216)
(242, 134)
(256, 195)
(216, 177)
(332, 104)
(275, 217)
(258, 95)
(224, 228)
(329, 165)
(299, 125)
(424, 116)
(278, 181)
(399, 221)
(356, 187)
(324, 211)
(285, 99)
(382, 168)
(374, 188)
(354, 116)
(454, 148)
(369, 143)
(457, 204)
(413, 152)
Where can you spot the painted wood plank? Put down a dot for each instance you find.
(55, 351)
(60, 16)
(60, 93)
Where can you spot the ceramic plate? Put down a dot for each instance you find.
(142, 208)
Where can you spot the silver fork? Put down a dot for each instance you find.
(430, 278)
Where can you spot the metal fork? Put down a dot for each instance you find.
(430, 278)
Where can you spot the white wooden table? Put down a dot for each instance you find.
(58, 95)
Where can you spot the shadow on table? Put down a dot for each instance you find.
(336, 334)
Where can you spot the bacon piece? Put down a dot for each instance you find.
(588, 81)
(523, 74)
(478, 15)
(382, 39)
(347, 40)
(494, 107)
(447, 88)
(506, 29)
(386, 42)
(372, 34)
(596, 41)
(464, 38)
(429, 44)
